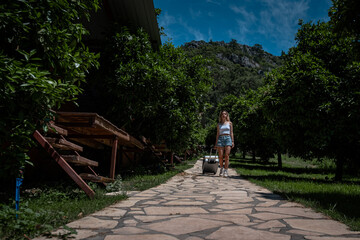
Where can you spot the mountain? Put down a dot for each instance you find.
(235, 67)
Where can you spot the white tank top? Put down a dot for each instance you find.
(224, 128)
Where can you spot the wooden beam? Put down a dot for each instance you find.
(113, 158)
(172, 159)
(75, 124)
(96, 178)
(88, 142)
(63, 144)
(79, 160)
(61, 161)
(56, 129)
(91, 136)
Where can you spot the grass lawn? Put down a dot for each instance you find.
(309, 183)
(48, 207)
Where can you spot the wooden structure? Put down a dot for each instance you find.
(88, 129)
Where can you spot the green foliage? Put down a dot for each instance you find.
(27, 222)
(45, 209)
(313, 100)
(42, 63)
(115, 186)
(158, 94)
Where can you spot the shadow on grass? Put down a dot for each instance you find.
(248, 164)
(345, 204)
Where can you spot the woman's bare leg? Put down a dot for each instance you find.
(221, 156)
(227, 153)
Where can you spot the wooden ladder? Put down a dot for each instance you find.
(66, 153)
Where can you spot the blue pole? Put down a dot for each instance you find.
(17, 192)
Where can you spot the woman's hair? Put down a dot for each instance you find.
(227, 116)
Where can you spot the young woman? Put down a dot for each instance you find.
(224, 141)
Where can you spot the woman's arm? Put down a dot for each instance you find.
(232, 134)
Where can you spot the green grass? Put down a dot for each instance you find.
(48, 207)
(309, 183)
(143, 182)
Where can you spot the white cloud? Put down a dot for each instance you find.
(248, 16)
(166, 20)
(217, 2)
(275, 21)
(210, 36)
(195, 14)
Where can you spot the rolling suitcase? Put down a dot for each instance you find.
(210, 163)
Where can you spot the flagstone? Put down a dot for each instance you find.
(323, 226)
(291, 204)
(232, 206)
(136, 212)
(238, 200)
(110, 212)
(239, 211)
(92, 223)
(267, 204)
(129, 230)
(294, 211)
(270, 216)
(235, 218)
(270, 224)
(331, 238)
(152, 202)
(245, 233)
(304, 232)
(193, 238)
(126, 203)
(140, 237)
(148, 219)
(130, 222)
(173, 210)
(188, 225)
(183, 202)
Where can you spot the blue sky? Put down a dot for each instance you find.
(271, 23)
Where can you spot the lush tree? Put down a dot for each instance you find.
(313, 100)
(159, 95)
(42, 63)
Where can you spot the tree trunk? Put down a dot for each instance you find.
(279, 159)
(339, 169)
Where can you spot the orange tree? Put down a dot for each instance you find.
(157, 94)
(314, 99)
(42, 63)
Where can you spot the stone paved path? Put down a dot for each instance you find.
(192, 206)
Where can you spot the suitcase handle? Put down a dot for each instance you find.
(211, 152)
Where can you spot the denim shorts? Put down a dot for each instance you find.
(224, 140)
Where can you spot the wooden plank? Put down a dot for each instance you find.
(98, 136)
(63, 164)
(162, 150)
(64, 144)
(74, 124)
(56, 129)
(136, 143)
(172, 159)
(102, 123)
(79, 160)
(88, 142)
(94, 178)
